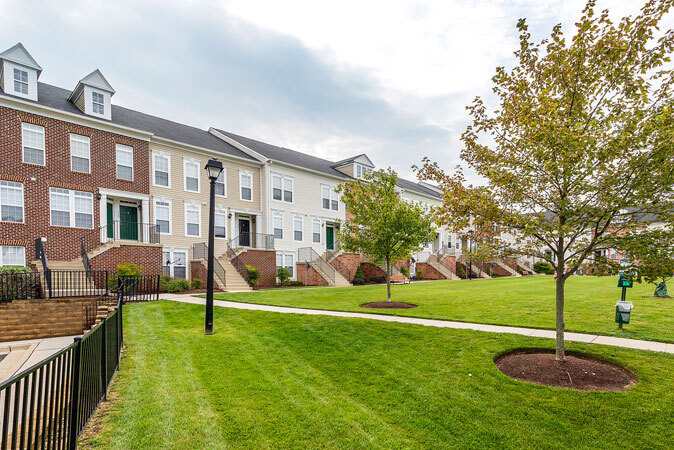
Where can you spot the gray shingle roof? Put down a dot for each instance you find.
(57, 98)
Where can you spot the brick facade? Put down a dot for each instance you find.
(450, 263)
(429, 272)
(371, 270)
(265, 262)
(199, 270)
(309, 277)
(350, 261)
(148, 256)
(62, 242)
(35, 319)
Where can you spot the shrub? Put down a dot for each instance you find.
(358, 281)
(253, 275)
(283, 274)
(15, 269)
(196, 283)
(293, 283)
(405, 271)
(163, 282)
(184, 284)
(543, 267)
(359, 273)
(378, 280)
(128, 269)
(176, 285)
(419, 275)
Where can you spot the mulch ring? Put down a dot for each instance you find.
(653, 296)
(580, 372)
(388, 305)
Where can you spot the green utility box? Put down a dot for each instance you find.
(624, 281)
(623, 311)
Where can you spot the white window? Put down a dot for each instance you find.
(246, 183)
(458, 244)
(362, 170)
(12, 256)
(71, 208)
(162, 215)
(285, 260)
(220, 225)
(192, 219)
(282, 188)
(175, 262)
(124, 162)
(191, 170)
(161, 168)
(329, 197)
(221, 184)
(278, 225)
(11, 201)
(298, 228)
(316, 231)
(98, 103)
(21, 81)
(33, 143)
(80, 153)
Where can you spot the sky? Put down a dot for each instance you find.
(333, 79)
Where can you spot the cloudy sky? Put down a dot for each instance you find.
(334, 79)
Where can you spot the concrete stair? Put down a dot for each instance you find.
(434, 262)
(233, 279)
(340, 281)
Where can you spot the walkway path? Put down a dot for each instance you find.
(532, 332)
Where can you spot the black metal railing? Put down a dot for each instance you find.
(76, 283)
(121, 231)
(200, 251)
(41, 255)
(20, 286)
(333, 259)
(138, 288)
(49, 404)
(253, 240)
(309, 256)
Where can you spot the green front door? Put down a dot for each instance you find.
(111, 225)
(128, 223)
(329, 238)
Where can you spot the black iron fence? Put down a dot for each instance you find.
(76, 283)
(138, 288)
(200, 251)
(20, 286)
(48, 405)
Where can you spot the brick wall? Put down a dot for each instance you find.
(62, 242)
(450, 263)
(371, 270)
(35, 319)
(498, 271)
(198, 270)
(430, 273)
(265, 262)
(309, 277)
(349, 260)
(148, 256)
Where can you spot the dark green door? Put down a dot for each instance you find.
(128, 223)
(329, 238)
(111, 225)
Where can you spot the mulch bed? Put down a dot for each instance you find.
(388, 305)
(580, 372)
(653, 296)
(192, 291)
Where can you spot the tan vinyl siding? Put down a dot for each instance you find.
(348, 170)
(80, 101)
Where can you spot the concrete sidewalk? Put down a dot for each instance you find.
(532, 332)
(24, 354)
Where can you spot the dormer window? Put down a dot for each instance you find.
(98, 103)
(362, 170)
(21, 81)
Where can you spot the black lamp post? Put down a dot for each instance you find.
(470, 255)
(214, 168)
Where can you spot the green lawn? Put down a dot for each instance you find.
(525, 301)
(268, 380)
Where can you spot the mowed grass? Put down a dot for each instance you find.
(523, 301)
(269, 380)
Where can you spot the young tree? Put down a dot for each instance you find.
(382, 225)
(579, 146)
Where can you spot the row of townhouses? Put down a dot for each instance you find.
(87, 182)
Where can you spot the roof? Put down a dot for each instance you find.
(57, 98)
(299, 159)
(96, 80)
(19, 55)
(353, 159)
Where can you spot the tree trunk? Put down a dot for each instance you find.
(559, 313)
(388, 279)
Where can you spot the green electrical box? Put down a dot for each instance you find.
(624, 281)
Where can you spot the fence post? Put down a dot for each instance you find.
(104, 359)
(120, 302)
(157, 290)
(75, 394)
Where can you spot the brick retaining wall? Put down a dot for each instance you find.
(36, 319)
(265, 262)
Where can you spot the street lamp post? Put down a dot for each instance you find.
(213, 168)
(470, 255)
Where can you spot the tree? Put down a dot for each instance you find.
(382, 225)
(579, 145)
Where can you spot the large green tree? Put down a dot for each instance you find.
(382, 225)
(579, 143)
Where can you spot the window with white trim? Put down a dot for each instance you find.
(33, 143)
(329, 197)
(12, 255)
(282, 188)
(11, 201)
(80, 153)
(162, 215)
(221, 184)
(278, 225)
(362, 170)
(21, 81)
(298, 228)
(161, 169)
(285, 260)
(98, 103)
(192, 219)
(458, 244)
(246, 183)
(192, 174)
(316, 231)
(174, 262)
(220, 225)
(124, 162)
(70, 208)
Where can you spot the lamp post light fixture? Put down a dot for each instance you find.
(213, 168)
(470, 255)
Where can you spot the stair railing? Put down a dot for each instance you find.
(333, 260)
(42, 256)
(200, 251)
(309, 256)
(235, 260)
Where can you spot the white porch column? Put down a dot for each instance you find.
(232, 226)
(103, 218)
(145, 211)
